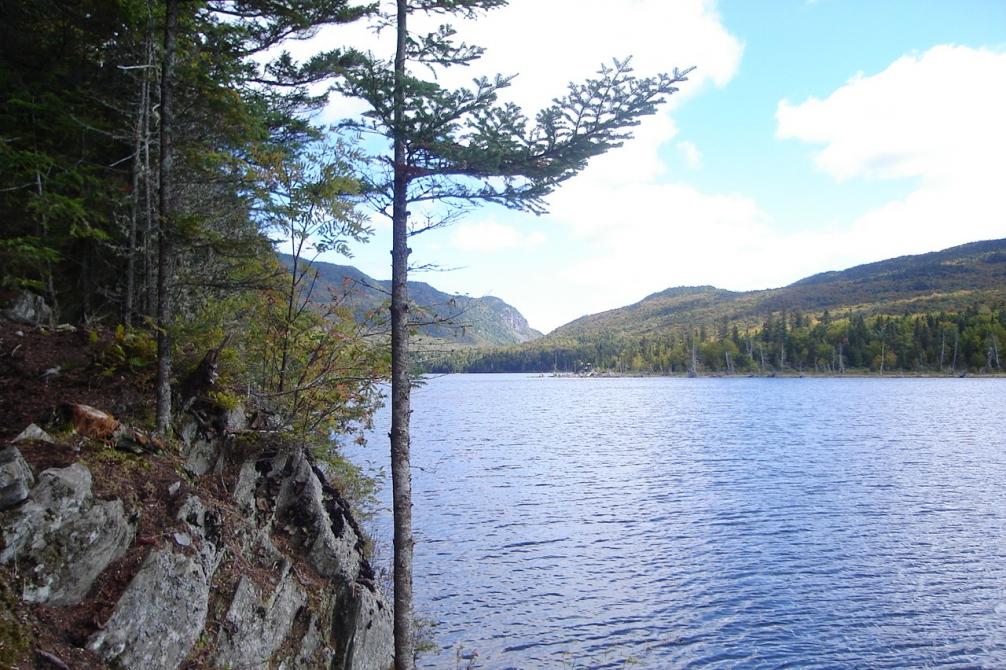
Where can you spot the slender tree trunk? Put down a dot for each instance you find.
(295, 251)
(164, 241)
(401, 475)
(129, 304)
(957, 341)
(943, 347)
(151, 183)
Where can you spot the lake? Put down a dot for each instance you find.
(708, 523)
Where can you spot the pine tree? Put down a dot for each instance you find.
(461, 147)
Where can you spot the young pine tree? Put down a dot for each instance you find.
(461, 147)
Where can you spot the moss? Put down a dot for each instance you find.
(121, 459)
(224, 399)
(14, 640)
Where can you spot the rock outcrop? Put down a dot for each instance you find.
(63, 538)
(28, 308)
(249, 559)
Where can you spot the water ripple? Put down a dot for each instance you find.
(710, 523)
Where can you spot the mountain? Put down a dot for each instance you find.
(942, 280)
(450, 318)
(942, 312)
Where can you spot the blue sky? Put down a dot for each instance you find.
(813, 136)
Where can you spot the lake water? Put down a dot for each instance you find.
(709, 523)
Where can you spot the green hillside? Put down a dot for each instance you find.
(941, 310)
(443, 319)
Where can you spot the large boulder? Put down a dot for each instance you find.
(62, 538)
(161, 615)
(257, 623)
(29, 308)
(307, 510)
(163, 611)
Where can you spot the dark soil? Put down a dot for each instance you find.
(85, 374)
(40, 369)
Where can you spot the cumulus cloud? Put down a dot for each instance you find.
(691, 154)
(490, 236)
(936, 118)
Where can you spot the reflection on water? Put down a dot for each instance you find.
(749, 523)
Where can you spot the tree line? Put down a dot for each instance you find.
(783, 342)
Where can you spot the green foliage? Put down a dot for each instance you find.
(914, 343)
(462, 146)
(125, 349)
(328, 383)
(906, 314)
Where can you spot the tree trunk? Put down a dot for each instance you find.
(401, 475)
(943, 347)
(164, 241)
(957, 341)
(139, 130)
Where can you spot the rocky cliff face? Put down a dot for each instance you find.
(230, 550)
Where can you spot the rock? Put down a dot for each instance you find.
(66, 328)
(135, 441)
(312, 652)
(55, 501)
(33, 432)
(203, 526)
(201, 456)
(160, 616)
(244, 490)
(64, 538)
(284, 514)
(89, 421)
(366, 643)
(16, 479)
(29, 308)
(330, 543)
(255, 627)
(203, 446)
(235, 419)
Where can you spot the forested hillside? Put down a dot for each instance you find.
(450, 319)
(941, 311)
(149, 155)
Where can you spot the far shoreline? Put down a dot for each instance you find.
(777, 375)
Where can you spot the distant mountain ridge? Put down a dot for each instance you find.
(451, 318)
(947, 279)
(942, 312)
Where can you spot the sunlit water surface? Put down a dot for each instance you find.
(709, 523)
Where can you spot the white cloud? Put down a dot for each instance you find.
(937, 116)
(691, 154)
(489, 236)
(549, 44)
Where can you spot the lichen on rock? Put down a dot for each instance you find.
(252, 561)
